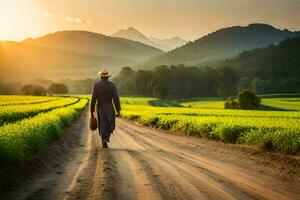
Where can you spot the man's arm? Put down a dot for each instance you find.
(93, 102)
(116, 100)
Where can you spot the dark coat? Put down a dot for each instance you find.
(105, 94)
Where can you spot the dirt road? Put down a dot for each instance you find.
(144, 163)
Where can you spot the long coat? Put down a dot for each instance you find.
(105, 94)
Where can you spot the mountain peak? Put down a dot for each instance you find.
(260, 26)
(222, 44)
(164, 44)
(130, 28)
(131, 34)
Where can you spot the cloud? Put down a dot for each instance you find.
(77, 20)
(48, 15)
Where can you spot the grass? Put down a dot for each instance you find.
(29, 124)
(204, 103)
(268, 102)
(272, 130)
(282, 103)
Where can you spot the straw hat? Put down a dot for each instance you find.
(104, 73)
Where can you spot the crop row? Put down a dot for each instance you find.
(12, 113)
(211, 112)
(277, 133)
(21, 139)
(6, 100)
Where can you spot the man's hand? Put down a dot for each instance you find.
(118, 113)
(93, 114)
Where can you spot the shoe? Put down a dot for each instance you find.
(104, 143)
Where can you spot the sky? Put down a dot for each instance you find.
(189, 19)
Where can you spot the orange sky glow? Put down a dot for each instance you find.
(189, 19)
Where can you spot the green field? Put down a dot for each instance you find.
(273, 130)
(28, 124)
(286, 103)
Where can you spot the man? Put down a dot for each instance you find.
(105, 93)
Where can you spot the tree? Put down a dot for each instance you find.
(244, 83)
(141, 82)
(161, 81)
(262, 86)
(248, 100)
(227, 81)
(124, 81)
(10, 88)
(34, 90)
(160, 89)
(58, 88)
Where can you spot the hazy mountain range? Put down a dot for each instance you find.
(81, 54)
(275, 62)
(213, 48)
(163, 44)
(77, 54)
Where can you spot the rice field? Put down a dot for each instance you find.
(28, 124)
(271, 130)
(286, 103)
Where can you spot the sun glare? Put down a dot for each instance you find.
(17, 19)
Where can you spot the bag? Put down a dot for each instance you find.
(93, 123)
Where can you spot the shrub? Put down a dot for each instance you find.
(248, 100)
(34, 90)
(58, 88)
(231, 103)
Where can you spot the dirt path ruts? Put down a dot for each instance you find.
(144, 163)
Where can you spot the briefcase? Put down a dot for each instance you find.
(93, 123)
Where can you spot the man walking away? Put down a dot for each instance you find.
(105, 93)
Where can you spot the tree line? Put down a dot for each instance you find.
(273, 69)
(33, 89)
(178, 82)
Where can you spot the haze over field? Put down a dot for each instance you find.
(188, 19)
(71, 39)
(203, 101)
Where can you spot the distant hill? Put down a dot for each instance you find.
(170, 43)
(225, 43)
(73, 54)
(97, 44)
(275, 63)
(163, 44)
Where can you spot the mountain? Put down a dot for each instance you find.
(96, 44)
(73, 54)
(275, 62)
(213, 48)
(163, 44)
(133, 34)
(169, 44)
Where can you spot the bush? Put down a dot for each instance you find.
(232, 103)
(58, 88)
(246, 100)
(34, 90)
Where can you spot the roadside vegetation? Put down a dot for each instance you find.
(29, 124)
(271, 130)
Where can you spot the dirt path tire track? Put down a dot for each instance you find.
(144, 163)
(150, 164)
